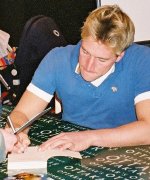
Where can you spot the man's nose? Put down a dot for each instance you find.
(90, 64)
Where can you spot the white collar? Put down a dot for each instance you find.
(98, 81)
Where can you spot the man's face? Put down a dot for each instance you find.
(95, 59)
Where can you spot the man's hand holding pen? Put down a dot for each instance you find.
(18, 144)
(22, 130)
(23, 142)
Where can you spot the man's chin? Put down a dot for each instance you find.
(88, 79)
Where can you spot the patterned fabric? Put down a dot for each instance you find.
(8, 60)
(8, 76)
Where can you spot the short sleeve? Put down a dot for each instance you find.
(142, 72)
(44, 76)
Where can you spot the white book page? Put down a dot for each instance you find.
(37, 159)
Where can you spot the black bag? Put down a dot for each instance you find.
(40, 35)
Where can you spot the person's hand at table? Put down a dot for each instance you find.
(75, 141)
(9, 138)
(22, 143)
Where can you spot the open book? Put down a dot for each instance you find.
(32, 159)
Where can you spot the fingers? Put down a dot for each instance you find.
(18, 148)
(61, 144)
(22, 143)
(23, 139)
(60, 141)
(66, 146)
(49, 142)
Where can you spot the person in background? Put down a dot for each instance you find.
(103, 83)
(7, 142)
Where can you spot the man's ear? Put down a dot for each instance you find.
(120, 57)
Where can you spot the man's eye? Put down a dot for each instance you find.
(101, 60)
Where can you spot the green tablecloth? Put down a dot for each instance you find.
(97, 163)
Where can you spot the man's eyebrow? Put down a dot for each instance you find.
(103, 58)
(94, 56)
(84, 49)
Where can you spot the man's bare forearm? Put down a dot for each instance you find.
(136, 133)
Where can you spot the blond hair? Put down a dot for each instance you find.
(110, 25)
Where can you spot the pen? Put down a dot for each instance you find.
(11, 125)
(4, 82)
(28, 123)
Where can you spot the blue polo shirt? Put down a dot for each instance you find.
(109, 105)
